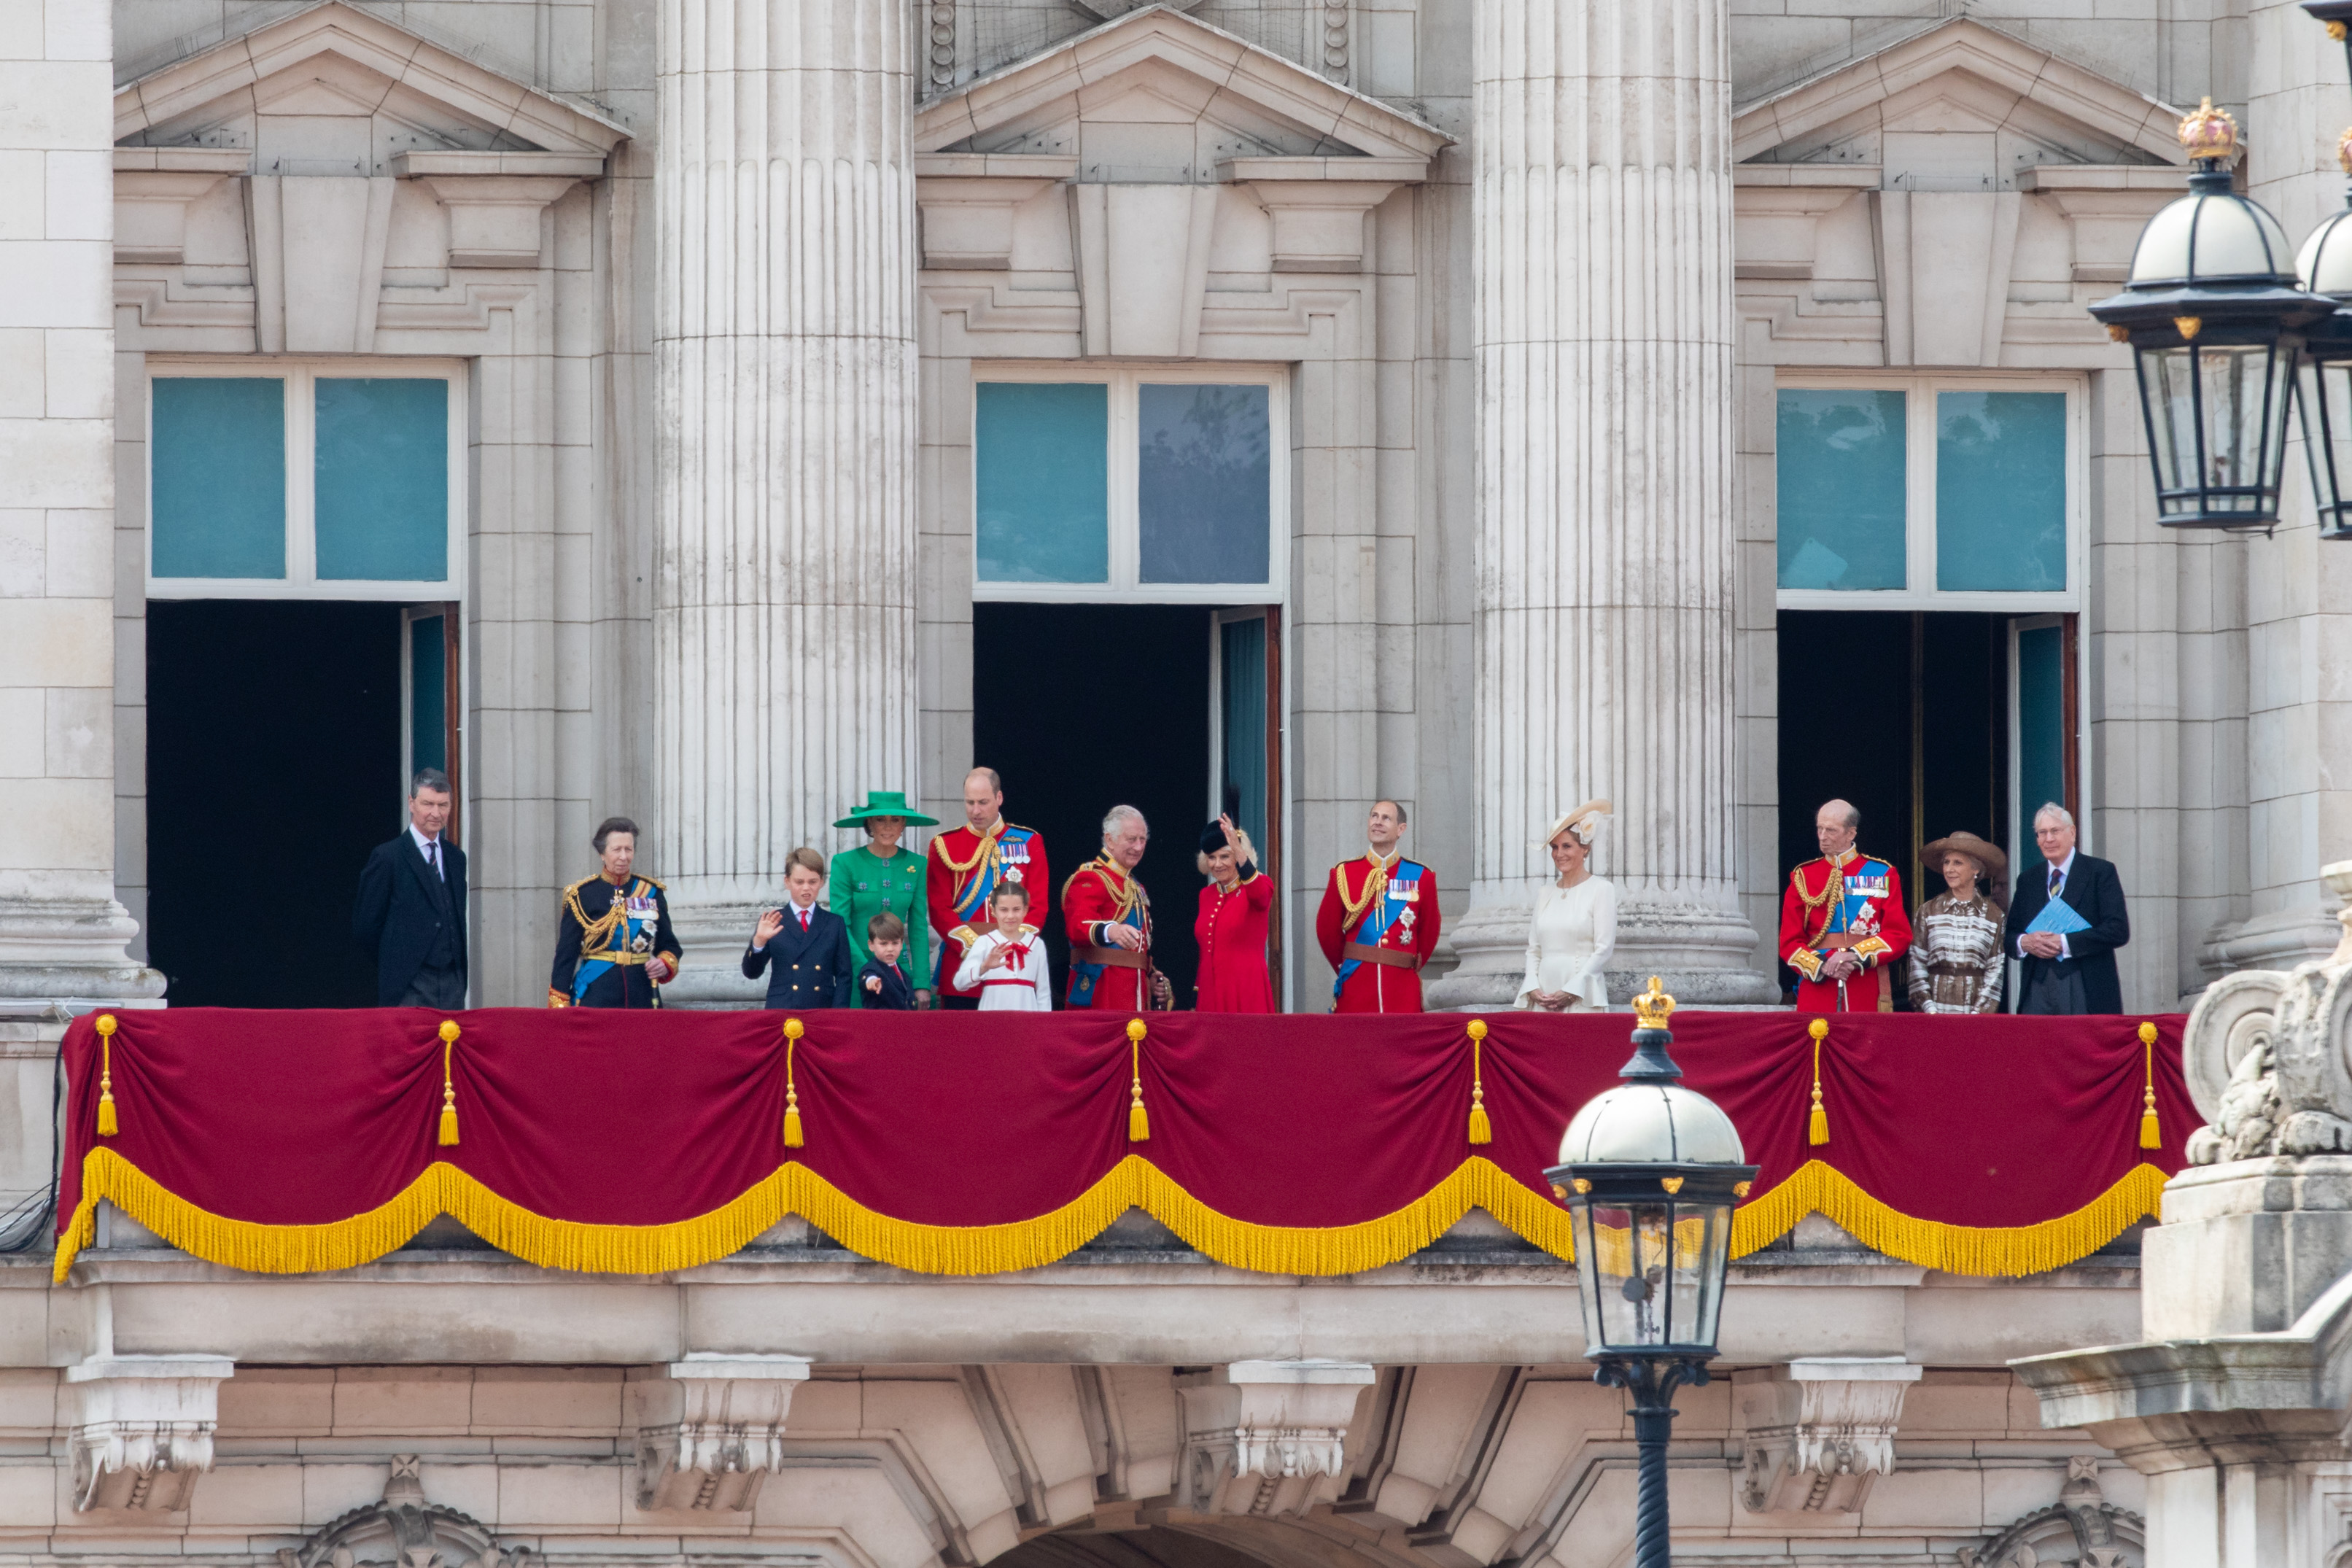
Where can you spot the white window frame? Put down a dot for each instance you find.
(1919, 496)
(301, 580)
(1124, 585)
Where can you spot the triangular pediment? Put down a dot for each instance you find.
(331, 87)
(1157, 90)
(1957, 103)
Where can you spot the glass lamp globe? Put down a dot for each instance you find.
(1650, 1171)
(2217, 319)
(2325, 269)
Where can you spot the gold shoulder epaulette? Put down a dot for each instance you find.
(657, 886)
(579, 884)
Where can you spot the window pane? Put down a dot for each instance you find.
(383, 471)
(219, 459)
(1203, 489)
(2041, 723)
(1841, 488)
(428, 690)
(1042, 478)
(2001, 491)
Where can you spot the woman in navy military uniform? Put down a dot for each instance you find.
(807, 943)
(614, 944)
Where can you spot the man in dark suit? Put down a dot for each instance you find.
(411, 912)
(808, 943)
(2074, 973)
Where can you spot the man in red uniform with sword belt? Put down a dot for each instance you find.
(1108, 916)
(964, 866)
(1379, 920)
(1842, 922)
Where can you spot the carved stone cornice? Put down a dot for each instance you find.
(1265, 1438)
(717, 1430)
(403, 1531)
(1820, 1430)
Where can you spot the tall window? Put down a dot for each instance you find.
(1914, 491)
(271, 479)
(1155, 485)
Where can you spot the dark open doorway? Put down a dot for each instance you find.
(1905, 714)
(1082, 707)
(273, 766)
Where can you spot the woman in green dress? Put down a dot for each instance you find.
(880, 875)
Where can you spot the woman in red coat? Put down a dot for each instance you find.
(1232, 926)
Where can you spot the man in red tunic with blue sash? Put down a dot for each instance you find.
(1842, 922)
(965, 865)
(1108, 916)
(1378, 921)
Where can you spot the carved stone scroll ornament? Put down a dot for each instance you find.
(2081, 1529)
(713, 1430)
(403, 1531)
(1820, 1431)
(1266, 1438)
(142, 1429)
(2266, 1055)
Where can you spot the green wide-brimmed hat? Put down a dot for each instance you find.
(886, 802)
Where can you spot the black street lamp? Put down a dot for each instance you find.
(1650, 1171)
(2216, 319)
(2326, 269)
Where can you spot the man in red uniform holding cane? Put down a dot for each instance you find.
(1379, 920)
(1108, 916)
(966, 864)
(1842, 920)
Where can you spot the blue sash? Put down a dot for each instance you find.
(1084, 975)
(624, 938)
(971, 905)
(1865, 879)
(1379, 917)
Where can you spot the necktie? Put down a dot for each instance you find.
(804, 915)
(2057, 880)
(432, 854)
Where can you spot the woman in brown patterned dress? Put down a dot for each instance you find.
(1955, 964)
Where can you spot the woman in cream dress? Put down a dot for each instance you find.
(1574, 933)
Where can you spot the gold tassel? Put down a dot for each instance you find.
(1139, 1121)
(1817, 1125)
(792, 1139)
(2151, 1134)
(1482, 1128)
(109, 1124)
(449, 1139)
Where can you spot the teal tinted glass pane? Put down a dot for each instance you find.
(383, 476)
(1841, 488)
(2001, 491)
(217, 501)
(428, 691)
(1203, 484)
(2041, 722)
(1242, 668)
(1042, 478)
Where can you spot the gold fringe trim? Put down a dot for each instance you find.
(1133, 1182)
(2003, 1250)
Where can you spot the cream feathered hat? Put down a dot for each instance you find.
(1585, 819)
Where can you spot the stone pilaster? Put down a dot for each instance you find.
(784, 531)
(62, 933)
(1603, 598)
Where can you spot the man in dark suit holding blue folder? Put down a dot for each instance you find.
(2065, 923)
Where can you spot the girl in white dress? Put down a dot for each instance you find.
(1574, 933)
(1007, 964)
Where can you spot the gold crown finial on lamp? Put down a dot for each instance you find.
(1653, 1007)
(2210, 134)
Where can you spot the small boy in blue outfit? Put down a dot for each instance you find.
(883, 982)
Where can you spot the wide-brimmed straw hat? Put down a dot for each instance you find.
(1989, 856)
(886, 802)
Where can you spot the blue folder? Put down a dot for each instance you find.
(2059, 918)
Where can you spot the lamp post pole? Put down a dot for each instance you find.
(1650, 1171)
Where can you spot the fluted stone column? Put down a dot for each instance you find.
(1603, 356)
(784, 354)
(62, 933)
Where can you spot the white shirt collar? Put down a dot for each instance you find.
(423, 843)
(798, 907)
(2063, 867)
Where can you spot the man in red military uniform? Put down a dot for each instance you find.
(1842, 922)
(964, 866)
(1108, 916)
(1378, 921)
